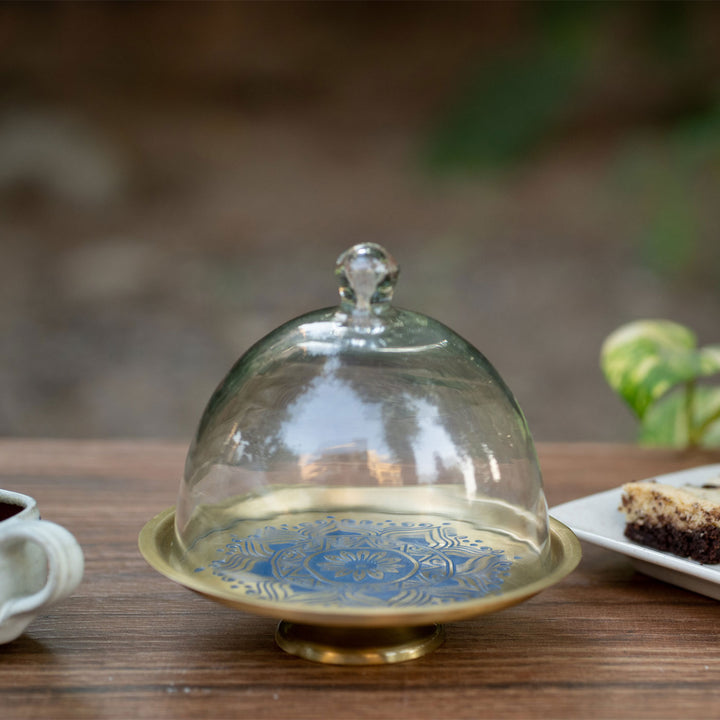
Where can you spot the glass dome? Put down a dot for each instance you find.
(363, 429)
(362, 468)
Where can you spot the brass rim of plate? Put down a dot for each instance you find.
(357, 646)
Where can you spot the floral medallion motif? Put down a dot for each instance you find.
(361, 563)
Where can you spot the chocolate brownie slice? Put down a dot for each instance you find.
(681, 520)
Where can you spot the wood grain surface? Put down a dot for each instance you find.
(606, 642)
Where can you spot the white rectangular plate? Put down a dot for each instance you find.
(596, 519)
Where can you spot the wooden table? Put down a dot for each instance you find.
(605, 642)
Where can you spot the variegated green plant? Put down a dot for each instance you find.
(657, 368)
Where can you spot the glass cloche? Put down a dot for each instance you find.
(365, 474)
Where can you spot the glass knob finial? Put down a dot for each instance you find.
(367, 274)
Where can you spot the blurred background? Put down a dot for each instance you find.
(176, 179)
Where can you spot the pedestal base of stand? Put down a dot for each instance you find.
(358, 646)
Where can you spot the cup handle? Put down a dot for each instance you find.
(64, 560)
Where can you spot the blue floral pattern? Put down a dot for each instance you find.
(360, 563)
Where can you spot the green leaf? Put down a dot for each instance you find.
(665, 423)
(644, 360)
(709, 360)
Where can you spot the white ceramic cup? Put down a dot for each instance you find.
(41, 563)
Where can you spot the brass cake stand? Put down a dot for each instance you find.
(327, 629)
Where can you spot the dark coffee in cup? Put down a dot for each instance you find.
(7, 510)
